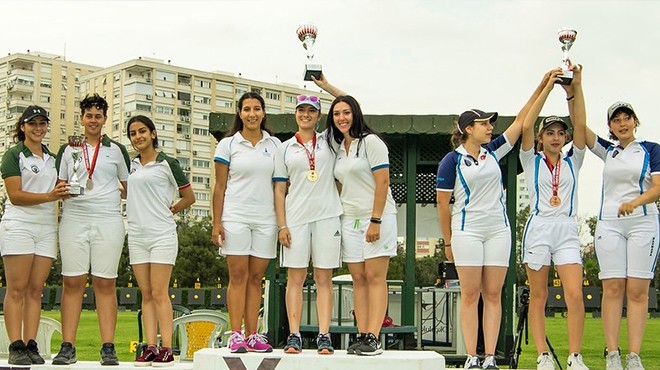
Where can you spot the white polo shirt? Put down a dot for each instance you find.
(477, 186)
(111, 167)
(626, 174)
(151, 190)
(249, 196)
(539, 182)
(354, 171)
(308, 201)
(38, 175)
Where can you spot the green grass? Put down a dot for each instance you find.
(593, 343)
(88, 342)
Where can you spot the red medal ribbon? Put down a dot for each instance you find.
(310, 156)
(554, 171)
(90, 169)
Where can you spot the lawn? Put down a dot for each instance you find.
(88, 343)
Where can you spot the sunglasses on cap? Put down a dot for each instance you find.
(90, 105)
(312, 98)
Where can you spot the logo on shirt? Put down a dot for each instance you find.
(615, 153)
(132, 171)
(337, 233)
(483, 156)
(34, 168)
(467, 163)
(266, 152)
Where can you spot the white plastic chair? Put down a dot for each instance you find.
(47, 327)
(199, 330)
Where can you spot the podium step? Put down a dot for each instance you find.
(222, 359)
(91, 365)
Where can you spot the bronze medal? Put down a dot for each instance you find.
(312, 175)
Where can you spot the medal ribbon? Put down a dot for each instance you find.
(310, 156)
(90, 169)
(555, 174)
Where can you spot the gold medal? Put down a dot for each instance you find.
(312, 175)
(555, 201)
(89, 185)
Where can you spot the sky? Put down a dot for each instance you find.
(395, 57)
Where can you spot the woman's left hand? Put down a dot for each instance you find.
(373, 232)
(626, 208)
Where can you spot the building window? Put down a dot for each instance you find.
(272, 95)
(201, 163)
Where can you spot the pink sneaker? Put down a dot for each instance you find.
(258, 343)
(237, 343)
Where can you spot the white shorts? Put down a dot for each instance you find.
(354, 246)
(550, 238)
(483, 248)
(92, 242)
(627, 247)
(321, 239)
(243, 239)
(17, 237)
(161, 249)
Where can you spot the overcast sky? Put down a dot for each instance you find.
(396, 57)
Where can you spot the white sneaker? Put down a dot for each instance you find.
(544, 362)
(633, 362)
(489, 363)
(472, 362)
(575, 362)
(613, 361)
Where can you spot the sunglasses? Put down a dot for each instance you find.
(99, 106)
(312, 98)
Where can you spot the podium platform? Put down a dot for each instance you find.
(222, 359)
(90, 365)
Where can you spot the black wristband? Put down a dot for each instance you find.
(376, 221)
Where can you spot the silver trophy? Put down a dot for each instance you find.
(567, 38)
(76, 143)
(307, 34)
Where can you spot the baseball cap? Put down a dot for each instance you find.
(551, 120)
(34, 111)
(469, 116)
(616, 106)
(312, 100)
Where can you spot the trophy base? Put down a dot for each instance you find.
(76, 189)
(565, 78)
(312, 70)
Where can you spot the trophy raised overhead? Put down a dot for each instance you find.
(76, 143)
(567, 38)
(307, 34)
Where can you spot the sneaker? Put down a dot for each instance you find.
(164, 358)
(575, 362)
(489, 363)
(18, 354)
(613, 360)
(356, 343)
(544, 362)
(633, 362)
(472, 362)
(293, 344)
(108, 355)
(370, 346)
(324, 345)
(148, 355)
(258, 343)
(33, 353)
(66, 355)
(237, 343)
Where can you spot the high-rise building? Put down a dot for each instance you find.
(179, 100)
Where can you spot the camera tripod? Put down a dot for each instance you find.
(522, 327)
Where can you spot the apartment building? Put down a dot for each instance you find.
(178, 99)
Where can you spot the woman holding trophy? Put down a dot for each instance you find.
(551, 233)
(152, 239)
(244, 221)
(478, 227)
(28, 232)
(626, 238)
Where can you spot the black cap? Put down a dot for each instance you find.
(551, 120)
(34, 111)
(469, 116)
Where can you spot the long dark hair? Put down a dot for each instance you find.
(359, 127)
(147, 122)
(238, 122)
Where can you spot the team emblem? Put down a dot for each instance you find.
(34, 168)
